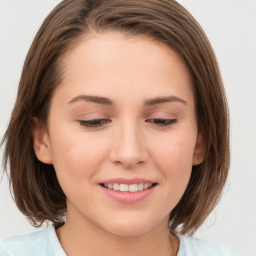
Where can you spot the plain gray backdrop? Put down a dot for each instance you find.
(231, 28)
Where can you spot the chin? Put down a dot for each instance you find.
(129, 228)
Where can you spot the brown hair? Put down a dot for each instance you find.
(36, 190)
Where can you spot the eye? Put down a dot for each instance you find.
(94, 123)
(162, 122)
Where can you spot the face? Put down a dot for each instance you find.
(122, 133)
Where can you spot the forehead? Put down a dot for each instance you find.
(113, 62)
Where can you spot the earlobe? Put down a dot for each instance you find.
(199, 151)
(41, 142)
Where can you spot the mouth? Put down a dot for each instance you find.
(128, 190)
(132, 188)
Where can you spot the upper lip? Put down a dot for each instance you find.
(127, 181)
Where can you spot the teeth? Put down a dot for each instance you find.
(116, 186)
(126, 187)
(145, 186)
(133, 188)
(140, 186)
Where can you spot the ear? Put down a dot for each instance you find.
(200, 150)
(41, 142)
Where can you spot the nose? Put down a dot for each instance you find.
(129, 147)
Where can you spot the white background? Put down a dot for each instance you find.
(231, 28)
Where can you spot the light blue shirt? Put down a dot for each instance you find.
(45, 243)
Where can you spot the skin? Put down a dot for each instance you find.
(129, 142)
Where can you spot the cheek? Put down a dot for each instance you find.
(174, 158)
(175, 151)
(175, 165)
(76, 161)
(75, 157)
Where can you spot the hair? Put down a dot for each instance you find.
(34, 184)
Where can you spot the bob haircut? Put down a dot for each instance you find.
(34, 185)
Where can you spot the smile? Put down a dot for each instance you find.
(128, 187)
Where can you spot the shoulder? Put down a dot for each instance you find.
(190, 246)
(38, 243)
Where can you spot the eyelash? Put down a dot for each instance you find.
(94, 123)
(162, 121)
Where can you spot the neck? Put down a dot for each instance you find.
(79, 238)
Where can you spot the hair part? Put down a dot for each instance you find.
(35, 187)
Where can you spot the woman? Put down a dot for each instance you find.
(114, 135)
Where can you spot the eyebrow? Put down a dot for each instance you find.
(106, 101)
(161, 100)
(91, 98)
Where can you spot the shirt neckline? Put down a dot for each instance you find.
(54, 241)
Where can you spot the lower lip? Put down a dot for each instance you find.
(128, 197)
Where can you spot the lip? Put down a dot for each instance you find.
(128, 197)
(128, 181)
